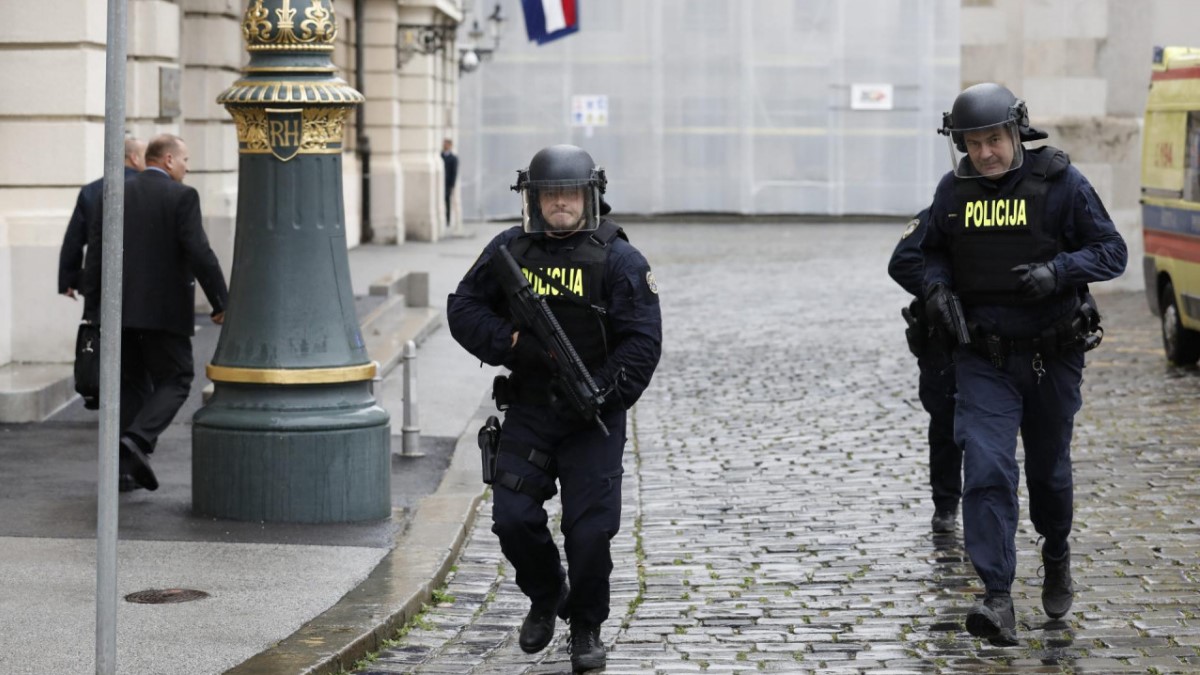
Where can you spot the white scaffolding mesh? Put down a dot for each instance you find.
(735, 106)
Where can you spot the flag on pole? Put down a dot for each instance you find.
(547, 20)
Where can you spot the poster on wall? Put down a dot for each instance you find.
(589, 111)
(871, 97)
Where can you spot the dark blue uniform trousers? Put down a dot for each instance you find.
(588, 467)
(993, 405)
(936, 390)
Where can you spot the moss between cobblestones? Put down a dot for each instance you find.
(419, 620)
(639, 548)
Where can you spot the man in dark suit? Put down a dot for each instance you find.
(70, 258)
(165, 253)
(450, 160)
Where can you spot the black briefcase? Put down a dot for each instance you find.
(87, 364)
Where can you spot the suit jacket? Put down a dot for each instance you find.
(451, 161)
(166, 252)
(70, 257)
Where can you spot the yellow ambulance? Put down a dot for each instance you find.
(1171, 199)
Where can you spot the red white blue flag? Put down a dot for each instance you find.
(547, 20)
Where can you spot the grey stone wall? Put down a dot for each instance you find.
(1083, 67)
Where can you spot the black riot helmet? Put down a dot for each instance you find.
(561, 191)
(990, 108)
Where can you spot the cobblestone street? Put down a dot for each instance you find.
(776, 514)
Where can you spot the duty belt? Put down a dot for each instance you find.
(1072, 332)
(530, 390)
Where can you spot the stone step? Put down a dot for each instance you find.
(31, 392)
(404, 315)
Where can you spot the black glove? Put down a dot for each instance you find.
(1037, 280)
(937, 307)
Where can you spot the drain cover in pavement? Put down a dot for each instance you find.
(165, 596)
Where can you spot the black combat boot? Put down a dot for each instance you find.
(538, 627)
(1058, 592)
(995, 619)
(587, 651)
(943, 521)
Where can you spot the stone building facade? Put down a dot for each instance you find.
(181, 55)
(1084, 68)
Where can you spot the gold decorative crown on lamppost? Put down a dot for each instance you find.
(317, 30)
(289, 100)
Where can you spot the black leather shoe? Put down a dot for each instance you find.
(994, 619)
(538, 628)
(1058, 592)
(126, 483)
(587, 651)
(943, 521)
(138, 463)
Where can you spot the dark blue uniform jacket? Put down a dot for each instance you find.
(1092, 249)
(478, 317)
(907, 266)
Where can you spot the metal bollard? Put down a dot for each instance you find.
(377, 385)
(410, 433)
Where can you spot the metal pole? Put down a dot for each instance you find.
(361, 141)
(410, 433)
(110, 342)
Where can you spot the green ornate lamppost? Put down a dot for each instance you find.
(292, 432)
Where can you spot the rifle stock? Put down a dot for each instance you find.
(533, 314)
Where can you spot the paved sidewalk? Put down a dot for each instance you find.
(265, 581)
(776, 502)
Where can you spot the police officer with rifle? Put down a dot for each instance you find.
(570, 307)
(1016, 235)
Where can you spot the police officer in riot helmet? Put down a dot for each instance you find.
(1015, 235)
(561, 192)
(604, 297)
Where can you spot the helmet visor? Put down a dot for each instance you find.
(985, 152)
(560, 207)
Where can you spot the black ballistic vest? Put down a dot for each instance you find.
(992, 232)
(573, 282)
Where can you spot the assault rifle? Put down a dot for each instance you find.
(571, 376)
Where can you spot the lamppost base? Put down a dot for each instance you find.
(291, 475)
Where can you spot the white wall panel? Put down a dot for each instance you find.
(723, 105)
